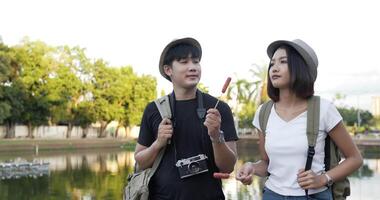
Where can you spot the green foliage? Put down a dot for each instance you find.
(41, 84)
(350, 116)
(5, 67)
(36, 60)
(5, 64)
(144, 91)
(246, 115)
(248, 94)
(203, 88)
(5, 111)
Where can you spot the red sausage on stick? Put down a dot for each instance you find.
(225, 86)
(219, 175)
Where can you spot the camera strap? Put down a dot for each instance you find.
(201, 113)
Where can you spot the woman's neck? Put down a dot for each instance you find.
(289, 99)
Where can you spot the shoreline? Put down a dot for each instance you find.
(36, 145)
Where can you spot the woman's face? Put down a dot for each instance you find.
(279, 69)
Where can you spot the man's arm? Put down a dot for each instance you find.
(225, 153)
(145, 156)
(225, 156)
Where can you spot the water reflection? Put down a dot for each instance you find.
(101, 174)
(80, 175)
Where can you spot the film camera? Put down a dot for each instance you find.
(192, 166)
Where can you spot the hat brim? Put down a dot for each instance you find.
(190, 41)
(311, 60)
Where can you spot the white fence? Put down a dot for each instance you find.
(58, 132)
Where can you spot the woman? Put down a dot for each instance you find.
(284, 146)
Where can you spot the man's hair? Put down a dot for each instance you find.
(181, 51)
(301, 80)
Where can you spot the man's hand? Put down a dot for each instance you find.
(165, 131)
(212, 122)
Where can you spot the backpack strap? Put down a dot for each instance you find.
(312, 129)
(313, 109)
(201, 111)
(157, 162)
(163, 106)
(264, 115)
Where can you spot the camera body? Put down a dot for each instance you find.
(192, 166)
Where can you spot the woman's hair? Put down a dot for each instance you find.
(301, 80)
(181, 51)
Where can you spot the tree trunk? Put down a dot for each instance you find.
(119, 125)
(69, 130)
(103, 126)
(128, 132)
(10, 130)
(84, 132)
(30, 131)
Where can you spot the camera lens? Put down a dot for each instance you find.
(194, 167)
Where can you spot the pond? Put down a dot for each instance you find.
(101, 174)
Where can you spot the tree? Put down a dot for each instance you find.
(350, 116)
(249, 94)
(144, 91)
(5, 67)
(259, 75)
(5, 111)
(35, 60)
(84, 115)
(107, 92)
(67, 87)
(15, 96)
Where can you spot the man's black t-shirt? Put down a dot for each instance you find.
(190, 138)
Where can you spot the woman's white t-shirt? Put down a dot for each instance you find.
(286, 146)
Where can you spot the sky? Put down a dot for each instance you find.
(234, 36)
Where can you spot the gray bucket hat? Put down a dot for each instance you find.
(188, 40)
(302, 48)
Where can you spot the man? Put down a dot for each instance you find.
(197, 143)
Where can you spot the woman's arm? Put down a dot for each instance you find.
(353, 159)
(258, 168)
(261, 167)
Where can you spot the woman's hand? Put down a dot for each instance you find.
(244, 174)
(309, 180)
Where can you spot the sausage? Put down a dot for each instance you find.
(219, 175)
(225, 86)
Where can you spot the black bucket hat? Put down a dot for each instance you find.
(302, 48)
(188, 40)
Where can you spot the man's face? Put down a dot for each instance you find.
(185, 73)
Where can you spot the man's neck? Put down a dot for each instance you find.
(185, 94)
